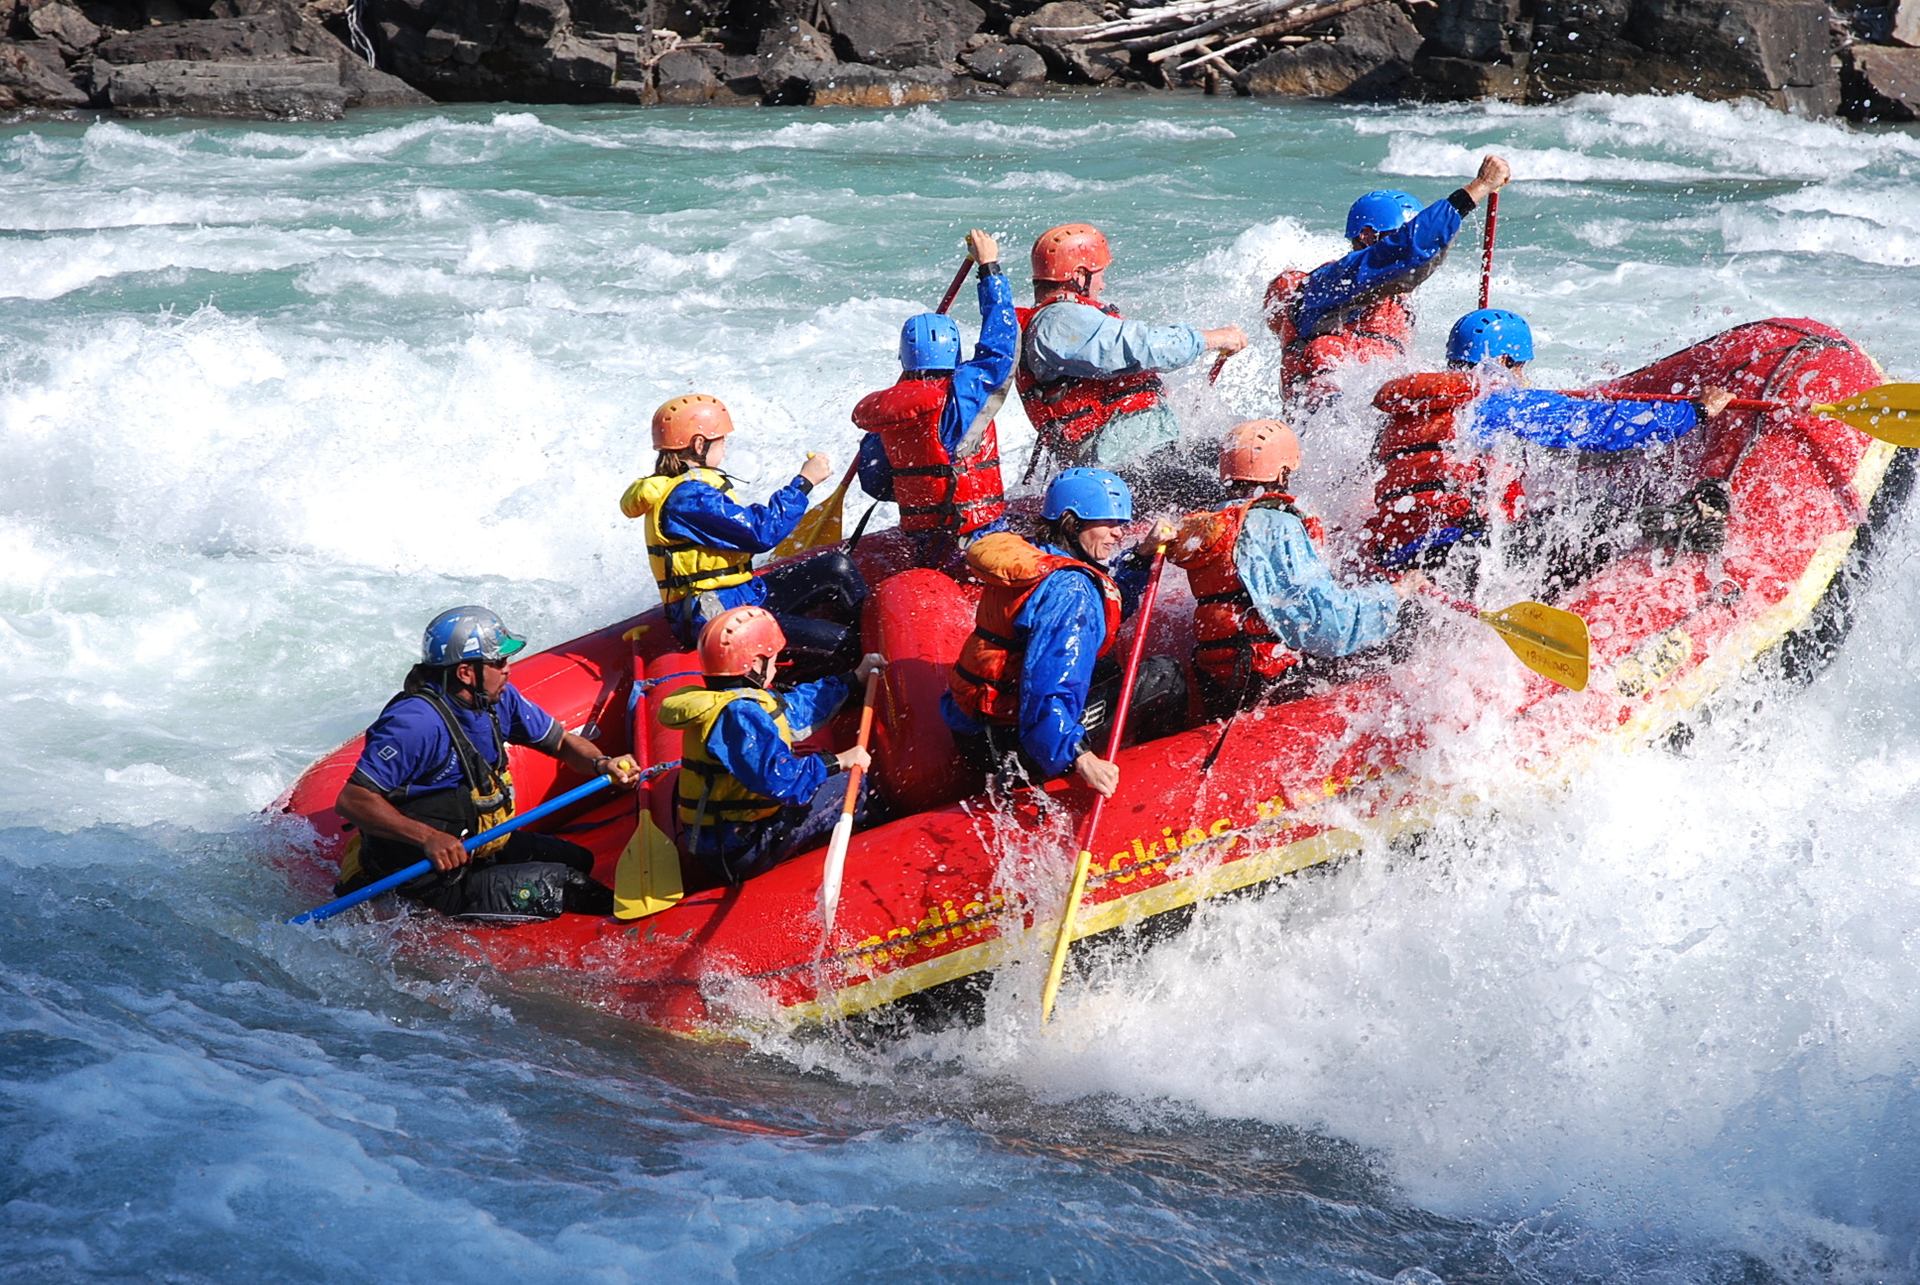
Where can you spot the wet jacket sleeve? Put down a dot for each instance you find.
(876, 470)
(746, 742)
(698, 512)
(1296, 594)
(1359, 278)
(1131, 573)
(1074, 340)
(1065, 624)
(1547, 418)
(991, 366)
(405, 746)
(811, 704)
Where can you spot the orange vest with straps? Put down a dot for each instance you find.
(934, 493)
(1231, 639)
(1384, 329)
(985, 680)
(1066, 412)
(1432, 490)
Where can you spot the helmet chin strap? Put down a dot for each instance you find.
(475, 694)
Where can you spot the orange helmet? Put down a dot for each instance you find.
(1072, 247)
(736, 639)
(680, 419)
(1260, 450)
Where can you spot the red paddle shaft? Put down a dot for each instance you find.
(1486, 250)
(1123, 704)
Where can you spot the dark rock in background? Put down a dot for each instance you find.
(1014, 68)
(1089, 64)
(1369, 58)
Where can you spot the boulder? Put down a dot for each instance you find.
(278, 89)
(575, 64)
(1905, 29)
(1369, 58)
(683, 79)
(1461, 80)
(62, 26)
(32, 74)
(855, 85)
(1880, 83)
(1094, 64)
(265, 35)
(901, 33)
(790, 54)
(1774, 50)
(1015, 68)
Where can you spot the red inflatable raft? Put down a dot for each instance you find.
(958, 887)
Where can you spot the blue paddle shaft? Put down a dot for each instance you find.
(421, 867)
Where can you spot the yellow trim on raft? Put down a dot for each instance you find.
(1764, 632)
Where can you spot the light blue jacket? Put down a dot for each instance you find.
(1296, 595)
(1070, 340)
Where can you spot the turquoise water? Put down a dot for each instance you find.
(272, 396)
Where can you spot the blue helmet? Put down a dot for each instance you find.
(1383, 211)
(1090, 494)
(929, 341)
(1489, 332)
(467, 633)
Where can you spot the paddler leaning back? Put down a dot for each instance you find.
(1031, 694)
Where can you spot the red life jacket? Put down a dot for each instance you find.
(1231, 640)
(1066, 412)
(934, 493)
(1431, 490)
(1384, 329)
(985, 680)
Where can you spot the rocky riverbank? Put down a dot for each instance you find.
(282, 59)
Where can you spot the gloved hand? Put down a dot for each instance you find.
(1695, 523)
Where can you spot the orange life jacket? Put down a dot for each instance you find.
(1066, 412)
(1432, 490)
(934, 493)
(1231, 640)
(985, 680)
(1383, 329)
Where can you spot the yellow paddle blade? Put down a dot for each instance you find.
(1890, 412)
(647, 880)
(1549, 641)
(822, 524)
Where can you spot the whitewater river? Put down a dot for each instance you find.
(272, 396)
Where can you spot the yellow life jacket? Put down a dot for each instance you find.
(682, 567)
(708, 792)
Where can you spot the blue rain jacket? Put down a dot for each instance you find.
(1064, 624)
(700, 513)
(746, 742)
(1356, 280)
(973, 383)
(1296, 594)
(1548, 418)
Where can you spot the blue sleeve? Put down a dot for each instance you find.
(746, 742)
(525, 723)
(1073, 340)
(1297, 596)
(1065, 623)
(876, 470)
(1548, 418)
(700, 513)
(811, 704)
(992, 364)
(406, 744)
(1334, 287)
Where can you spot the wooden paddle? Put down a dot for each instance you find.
(825, 523)
(1890, 412)
(843, 828)
(1122, 706)
(1548, 640)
